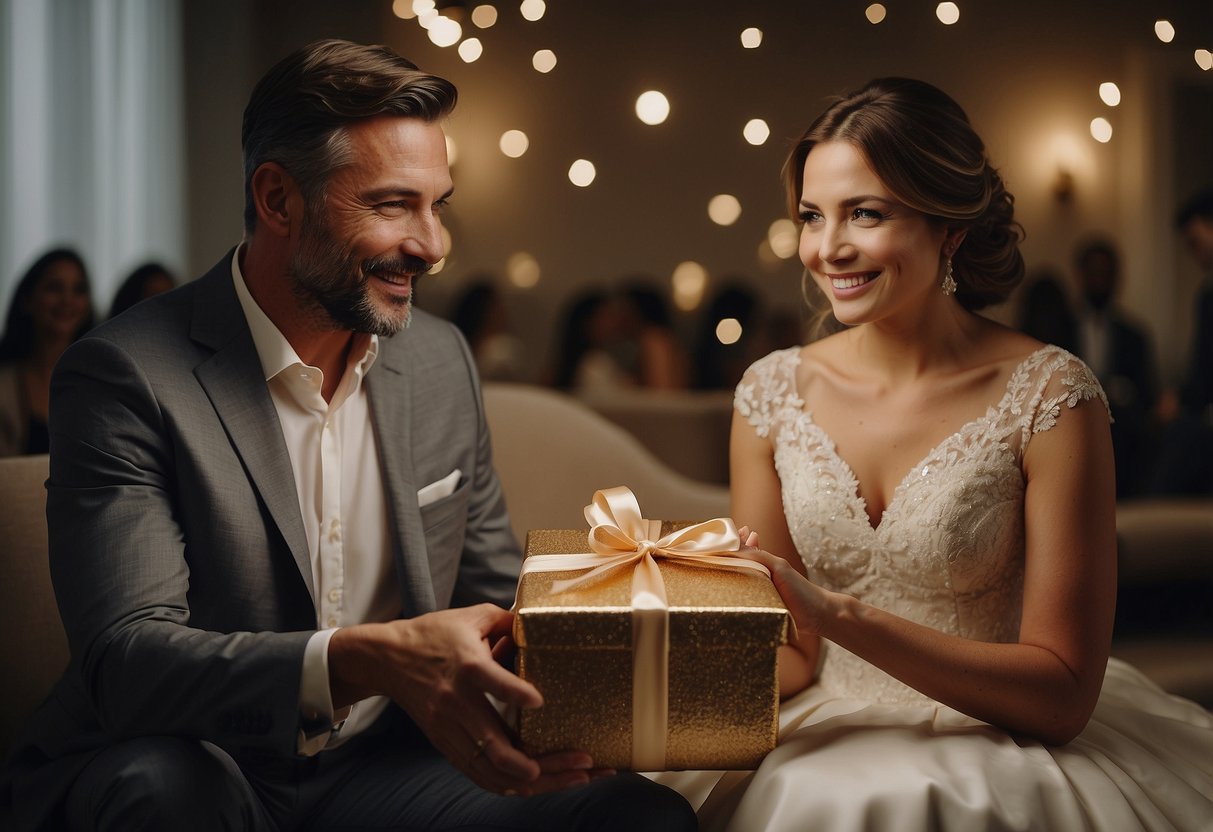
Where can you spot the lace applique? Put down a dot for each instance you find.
(948, 551)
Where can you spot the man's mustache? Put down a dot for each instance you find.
(399, 265)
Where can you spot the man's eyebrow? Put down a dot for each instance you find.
(383, 194)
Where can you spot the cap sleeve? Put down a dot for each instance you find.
(767, 387)
(1064, 381)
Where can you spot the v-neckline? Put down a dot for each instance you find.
(856, 493)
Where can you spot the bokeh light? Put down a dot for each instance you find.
(756, 131)
(522, 269)
(784, 238)
(689, 281)
(728, 331)
(532, 10)
(471, 49)
(1164, 30)
(1101, 130)
(403, 9)
(1109, 93)
(751, 38)
(652, 107)
(445, 32)
(514, 143)
(544, 60)
(724, 209)
(484, 16)
(948, 13)
(582, 173)
(1204, 59)
(875, 13)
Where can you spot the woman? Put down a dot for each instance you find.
(51, 308)
(144, 282)
(945, 484)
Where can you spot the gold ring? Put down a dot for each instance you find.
(480, 746)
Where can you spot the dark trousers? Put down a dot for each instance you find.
(392, 779)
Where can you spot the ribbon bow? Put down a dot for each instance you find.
(620, 538)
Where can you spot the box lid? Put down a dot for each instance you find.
(710, 608)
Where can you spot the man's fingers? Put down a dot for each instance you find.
(490, 677)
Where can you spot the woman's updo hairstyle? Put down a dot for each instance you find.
(922, 146)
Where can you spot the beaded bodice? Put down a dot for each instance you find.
(948, 551)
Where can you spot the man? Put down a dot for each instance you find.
(1185, 456)
(1122, 357)
(272, 508)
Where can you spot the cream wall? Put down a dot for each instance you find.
(1027, 72)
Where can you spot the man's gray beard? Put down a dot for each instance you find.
(328, 279)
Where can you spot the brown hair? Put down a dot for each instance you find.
(297, 113)
(922, 146)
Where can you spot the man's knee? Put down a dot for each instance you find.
(162, 783)
(634, 803)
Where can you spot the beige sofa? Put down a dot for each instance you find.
(552, 452)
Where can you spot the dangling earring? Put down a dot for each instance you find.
(949, 282)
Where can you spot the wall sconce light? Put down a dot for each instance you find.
(1063, 186)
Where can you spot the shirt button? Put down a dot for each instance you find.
(332, 622)
(334, 595)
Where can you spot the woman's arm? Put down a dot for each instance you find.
(1046, 684)
(756, 501)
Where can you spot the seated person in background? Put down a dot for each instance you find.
(1121, 354)
(146, 281)
(480, 315)
(590, 340)
(51, 307)
(661, 359)
(278, 543)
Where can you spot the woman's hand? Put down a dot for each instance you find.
(810, 605)
(798, 660)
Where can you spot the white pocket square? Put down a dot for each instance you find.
(435, 491)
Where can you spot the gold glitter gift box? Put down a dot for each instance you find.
(576, 647)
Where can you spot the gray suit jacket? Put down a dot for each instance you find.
(177, 550)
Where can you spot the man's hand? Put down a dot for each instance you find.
(438, 668)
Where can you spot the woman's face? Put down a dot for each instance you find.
(59, 303)
(872, 256)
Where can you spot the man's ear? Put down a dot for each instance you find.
(275, 198)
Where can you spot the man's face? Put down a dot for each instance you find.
(379, 228)
(1198, 234)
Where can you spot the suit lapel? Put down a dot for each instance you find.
(233, 380)
(390, 393)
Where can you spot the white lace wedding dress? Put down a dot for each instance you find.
(858, 749)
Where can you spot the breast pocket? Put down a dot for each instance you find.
(445, 523)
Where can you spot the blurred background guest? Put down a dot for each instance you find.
(480, 314)
(590, 337)
(661, 360)
(722, 353)
(51, 307)
(1046, 314)
(1185, 454)
(1121, 354)
(144, 282)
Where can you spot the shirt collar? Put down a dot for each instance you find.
(274, 351)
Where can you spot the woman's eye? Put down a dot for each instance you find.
(867, 214)
(809, 216)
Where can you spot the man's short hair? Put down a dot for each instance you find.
(1199, 204)
(298, 112)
